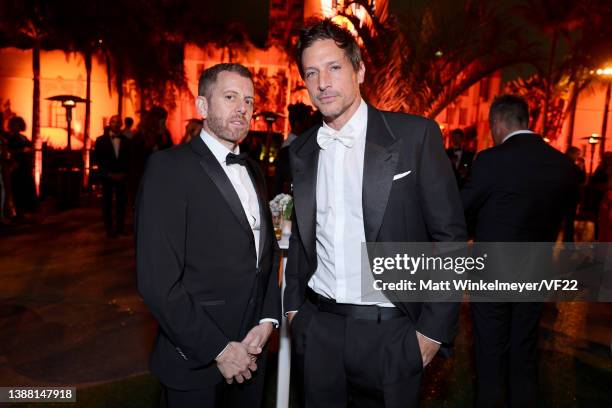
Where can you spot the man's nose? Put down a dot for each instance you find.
(242, 107)
(324, 80)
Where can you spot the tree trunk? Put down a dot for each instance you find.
(604, 123)
(142, 99)
(551, 61)
(119, 85)
(86, 138)
(36, 116)
(572, 117)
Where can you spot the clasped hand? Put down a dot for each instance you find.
(239, 359)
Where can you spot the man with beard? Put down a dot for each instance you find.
(363, 175)
(207, 257)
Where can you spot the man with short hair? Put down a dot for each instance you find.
(362, 175)
(207, 257)
(113, 155)
(300, 117)
(461, 159)
(519, 192)
(127, 131)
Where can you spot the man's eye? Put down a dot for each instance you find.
(249, 102)
(310, 74)
(336, 67)
(230, 97)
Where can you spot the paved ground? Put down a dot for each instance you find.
(69, 311)
(70, 315)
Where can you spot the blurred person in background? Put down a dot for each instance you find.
(574, 154)
(597, 188)
(461, 158)
(520, 191)
(193, 127)
(300, 118)
(113, 154)
(127, 131)
(6, 206)
(22, 154)
(164, 138)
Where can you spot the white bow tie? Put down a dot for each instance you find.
(327, 136)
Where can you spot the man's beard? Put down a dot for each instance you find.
(332, 113)
(223, 131)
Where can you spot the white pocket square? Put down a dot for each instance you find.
(399, 176)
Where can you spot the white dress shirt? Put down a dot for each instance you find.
(340, 229)
(339, 215)
(240, 179)
(116, 141)
(516, 132)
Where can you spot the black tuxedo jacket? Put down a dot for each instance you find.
(104, 155)
(421, 207)
(467, 157)
(519, 191)
(463, 168)
(197, 265)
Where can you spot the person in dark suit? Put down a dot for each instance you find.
(574, 154)
(207, 258)
(113, 155)
(363, 175)
(461, 159)
(520, 191)
(299, 121)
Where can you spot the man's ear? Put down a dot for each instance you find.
(202, 106)
(361, 72)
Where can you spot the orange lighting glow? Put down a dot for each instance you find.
(604, 71)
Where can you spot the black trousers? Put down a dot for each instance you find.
(222, 395)
(506, 340)
(347, 362)
(117, 189)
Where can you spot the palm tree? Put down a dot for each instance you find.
(582, 30)
(432, 52)
(82, 25)
(556, 19)
(26, 24)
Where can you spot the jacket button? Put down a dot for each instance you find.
(251, 301)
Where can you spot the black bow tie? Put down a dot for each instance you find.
(236, 159)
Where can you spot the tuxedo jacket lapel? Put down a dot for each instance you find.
(304, 164)
(379, 164)
(212, 167)
(264, 209)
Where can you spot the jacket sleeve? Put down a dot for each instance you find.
(443, 212)
(161, 218)
(293, 297)
(98, 157)
(272, 297)
(272, 302)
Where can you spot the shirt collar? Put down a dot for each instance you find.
(356, 123)
(218, 149)
(516, 132)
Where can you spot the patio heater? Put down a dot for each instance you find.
(68, 103)
(270, 118)
(593, 141)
